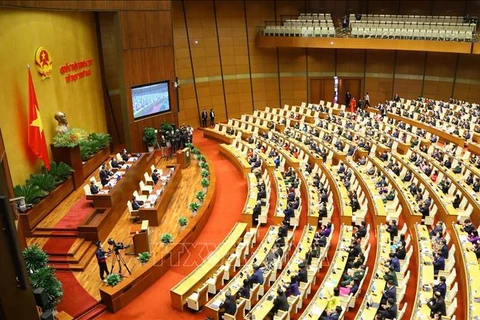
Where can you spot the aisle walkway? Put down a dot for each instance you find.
(231, 193)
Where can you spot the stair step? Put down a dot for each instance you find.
(93, 312)
(56, 229)
(76, 263)
(77, 245)
(51, 234)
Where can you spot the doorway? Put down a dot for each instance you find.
(353, 85)
(321, 89)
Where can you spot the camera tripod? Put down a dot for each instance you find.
(120, 260)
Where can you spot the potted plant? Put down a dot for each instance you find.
(45, 278)
(205, 173)
(195, 152)
(43, 181)
(144, 257)
(59, 170)
(203, 165)
(200, 196)
(205, 184)
(32, 194)
(166, 127)
(182, 221)
(113, 279)
(150, 138)
(166, 238)
(194, 208)
(35, 258)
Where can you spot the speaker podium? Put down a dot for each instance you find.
(183, 157)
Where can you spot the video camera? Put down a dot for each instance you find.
(116, 246)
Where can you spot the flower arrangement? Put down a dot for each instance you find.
(144, 257)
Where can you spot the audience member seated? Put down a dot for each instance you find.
(280, 302)
(228, 305)
(94, 188)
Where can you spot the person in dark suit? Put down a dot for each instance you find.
(105, 175)
(155, 176)
(441, 287)
(244, 291)
(204, 118)
(390, 292)
(114, 164)
(228, 305)
(283, 230)
(94, 188)
(362, 230)
(394, 262)
(280, 302)
(407, 177)
(444, 249)
(437, 304)
(389, 310)
(124, 155)
(302, 275)
(212, 117)
(257, 276)
(257, 211)
(456, 201)
(136, 204)
(102, 260)
(438, 263)
(335, 315)
(291, 289)
(392, 229)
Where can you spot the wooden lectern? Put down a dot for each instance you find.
(141, 241)
(183, 157)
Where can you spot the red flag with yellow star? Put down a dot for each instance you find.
(36, 135)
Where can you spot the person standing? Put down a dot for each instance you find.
(212, 117)
(348, 97)
(102, 260)
(204, 118)
(353, 104)
(367, 100)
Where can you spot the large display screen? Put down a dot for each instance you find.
(150, 99)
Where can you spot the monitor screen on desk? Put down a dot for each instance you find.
(150, 99)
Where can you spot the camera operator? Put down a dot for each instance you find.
(102, 260)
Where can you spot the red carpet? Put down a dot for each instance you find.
(231, 193)
(58, 245)
(75, 299)
(76, 215)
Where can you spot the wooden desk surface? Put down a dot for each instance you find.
(472, 272)
(252, 194)
(236, 158)
(184, 288)
(281, 189)
(425, 273)
(332, 278)
(236, 282)
(264, 305)
(154, 214)
(374, 293)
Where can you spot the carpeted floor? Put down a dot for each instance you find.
(75, 299)
(231, 193)
(76, 215)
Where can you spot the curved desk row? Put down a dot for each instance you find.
(264, 305)
(471, 268)
(236, 158)
(333, 277)
(180, 292)
(257, 258)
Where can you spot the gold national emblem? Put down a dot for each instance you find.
(43, 61)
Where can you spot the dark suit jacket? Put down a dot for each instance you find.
(437, 306)
(390, 292)
(229, 305)
(280, 303)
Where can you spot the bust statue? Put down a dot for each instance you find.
(62, 123)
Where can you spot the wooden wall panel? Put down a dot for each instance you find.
(350, 63)
(264, 62)
(202, 29)
(379, 89)
(441, 64)
(97, 5)
(293, 72)
(321, 62)
(449, 8)
(232, 33)
(439, 90)
(408, 88)
(410, 63)
(416, 7)
(287, 8)
(467, 92)
(382, 7)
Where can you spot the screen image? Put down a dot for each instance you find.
(150, 99)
